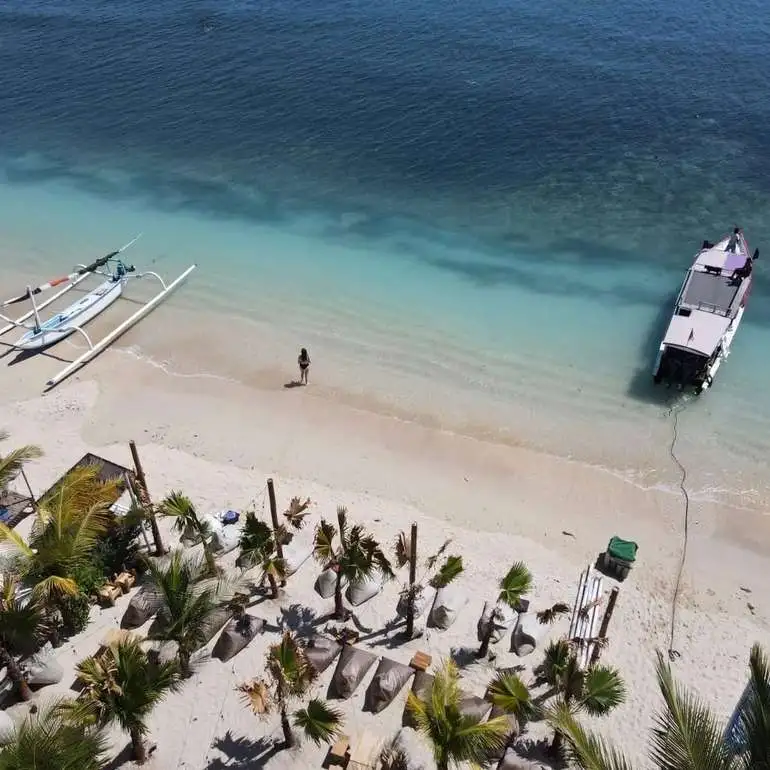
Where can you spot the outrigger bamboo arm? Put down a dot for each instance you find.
(105, 342)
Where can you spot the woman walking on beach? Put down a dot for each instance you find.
(304, 365)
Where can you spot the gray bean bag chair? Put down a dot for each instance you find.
(160, 652)
(388, 680)
(362, 590)
(321, 652)
(422, 601)
(143, 605)
(7, 729)
(448, 602)
(502, 618)
(422, 684)
(525, 635)
(512, 761)
(474, 707)
(351, 669)
(325, 582)
(42, 669)
(236, 635)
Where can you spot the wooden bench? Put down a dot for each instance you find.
(421, 661)
(339, 753)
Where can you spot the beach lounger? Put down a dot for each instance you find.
(236, 635)
(351, 669)
(388, 680)
(422, 684)
(321, 652)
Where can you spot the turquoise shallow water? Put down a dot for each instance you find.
(478, 216)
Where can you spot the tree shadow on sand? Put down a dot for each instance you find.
(243, 753)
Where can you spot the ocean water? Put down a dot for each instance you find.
(475, 215)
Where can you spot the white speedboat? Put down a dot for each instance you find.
(76, 315)
(707, 313)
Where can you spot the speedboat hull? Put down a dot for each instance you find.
(707, 313)
(76, 315)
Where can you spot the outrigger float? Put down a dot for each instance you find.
(40, 334)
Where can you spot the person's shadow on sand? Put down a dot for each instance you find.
(292, 384)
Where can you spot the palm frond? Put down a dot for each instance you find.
(754, 714)
(433, 559)
(585, 750)
(509, 693)
(23, 621)
(603, 690)
(588, 606)
(450, 569)
(687, 734)
(256, 695)
(289, 667)
(319, 721)
(50, 739)
(454, 736)
(297, 512)
(323, 543)
(550, 614)
(402, 549)
(556, 657)
(11, 464)
(516, 583)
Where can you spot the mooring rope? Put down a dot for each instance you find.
(674, 410)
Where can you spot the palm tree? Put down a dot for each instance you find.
(49, 740)
(191, 602)
(355, 557)
(23, 624)
(259, 548)
(596, 690)
(69, 522)
(687, 734)
(290, 675)
(449, 570)
(510, 695)
(123, 686)
(513, 586)
(12, 464)
(454, 736)
(187, 521)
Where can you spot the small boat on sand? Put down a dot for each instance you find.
(707, 313)
(39, 334)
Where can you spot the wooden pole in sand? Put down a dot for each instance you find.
(144, 499)
(274, 517)
(597, 651)
(412, 578)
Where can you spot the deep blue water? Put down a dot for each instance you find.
(514, 161)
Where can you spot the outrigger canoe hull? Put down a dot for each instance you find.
(76, 315)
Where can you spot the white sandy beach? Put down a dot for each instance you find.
(219, 441)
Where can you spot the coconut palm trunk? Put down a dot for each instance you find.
(288, 735)
(339, 607)
(138, 746)
(273, 585)
(15, 674)
(486, 640)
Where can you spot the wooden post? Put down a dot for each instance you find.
(274, 517)
(144, 499)
(605, 623)
(412, 578)
(29, 489)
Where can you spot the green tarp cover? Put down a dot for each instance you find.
(622, 549)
